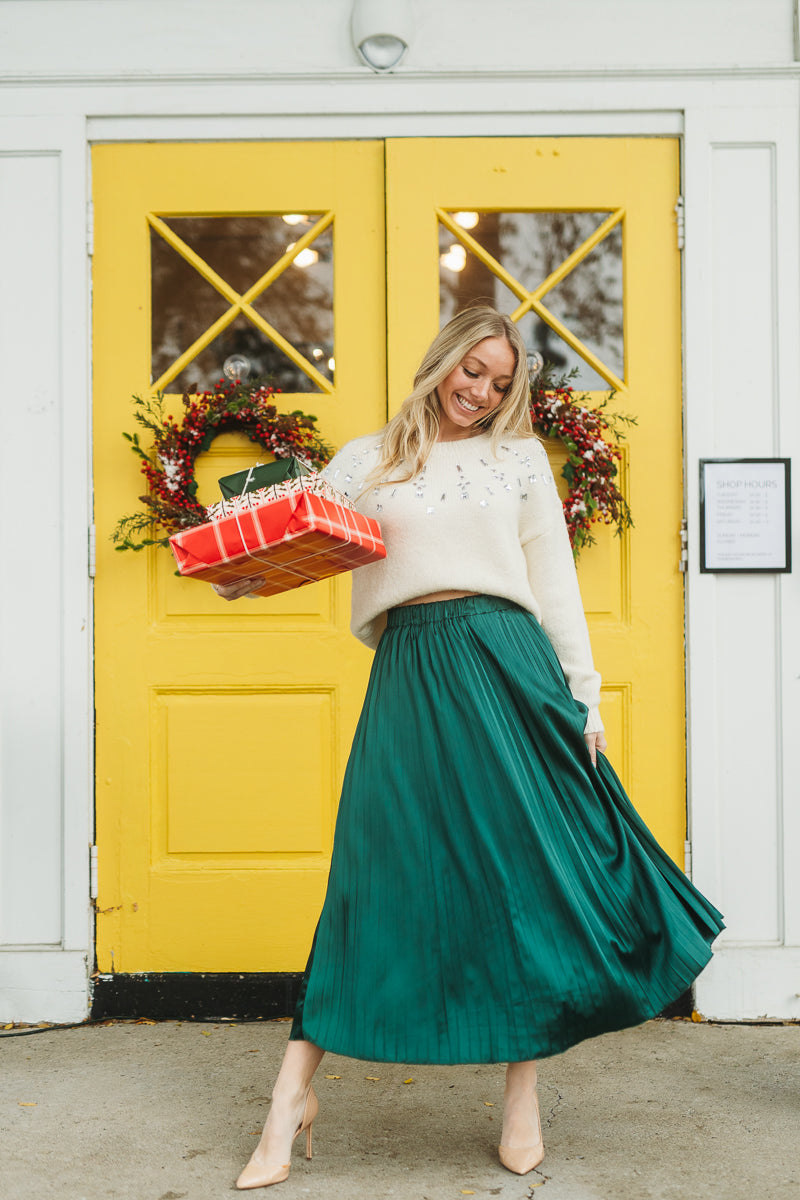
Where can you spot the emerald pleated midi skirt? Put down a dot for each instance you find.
(493, 897)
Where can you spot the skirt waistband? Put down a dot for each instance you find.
(447, 610)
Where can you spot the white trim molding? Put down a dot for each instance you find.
(44, 985)
(46, 783)
(742, 375)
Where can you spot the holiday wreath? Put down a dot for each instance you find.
(591, 468)
(171, 503)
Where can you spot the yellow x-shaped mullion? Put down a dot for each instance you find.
(578, 346)
(578, 255)
(240, 304)
(287, 259)
(532, 300)
(485, 257)
(288, 349)
(196, 347)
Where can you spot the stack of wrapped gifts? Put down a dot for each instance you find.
(281, 521)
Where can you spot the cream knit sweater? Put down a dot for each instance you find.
(475, 523)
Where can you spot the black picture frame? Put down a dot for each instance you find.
(782, 563)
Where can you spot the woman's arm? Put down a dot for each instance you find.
(595, 742)
(554, 583)
(239, 588)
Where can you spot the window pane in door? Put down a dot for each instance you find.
(297, 304)
(530, 246)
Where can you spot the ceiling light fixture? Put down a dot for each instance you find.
(382, 32)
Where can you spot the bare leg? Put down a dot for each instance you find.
(289, 1094)
(521, 1128)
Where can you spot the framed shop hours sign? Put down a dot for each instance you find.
(745, 514)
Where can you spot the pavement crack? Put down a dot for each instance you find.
(553, 1108)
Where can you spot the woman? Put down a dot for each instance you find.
(493, 895)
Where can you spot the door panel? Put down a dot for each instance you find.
(632, 587)
(222, 729)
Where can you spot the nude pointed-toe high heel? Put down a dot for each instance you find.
(256, 1175)
(522, 1159)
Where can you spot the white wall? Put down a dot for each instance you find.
(78, 70)
(189, 38)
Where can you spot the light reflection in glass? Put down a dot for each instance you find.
(454, 258)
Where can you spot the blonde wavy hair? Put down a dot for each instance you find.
(410, 435)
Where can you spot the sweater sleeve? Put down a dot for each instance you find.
(554, 583)
(339, 472)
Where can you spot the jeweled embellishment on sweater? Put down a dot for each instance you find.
(463, 484)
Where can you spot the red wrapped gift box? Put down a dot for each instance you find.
(293, 533)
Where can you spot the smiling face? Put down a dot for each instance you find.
(474, 388)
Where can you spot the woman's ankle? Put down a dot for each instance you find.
(289, 1093)
(521, 1078)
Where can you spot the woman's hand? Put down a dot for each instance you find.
(595, 742)
(239, 588)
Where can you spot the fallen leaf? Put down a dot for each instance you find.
(206, 1032)
(11, 1026)
(489, 1103)
(27, 1103)
(333, 1077)
(144, 1021)
(696, 1016)
(539, 1184)
(467, 1192)
(255, 1132)
(408, 1081)
(252, 1052)
(374, 1078)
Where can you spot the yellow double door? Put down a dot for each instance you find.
(223, 729)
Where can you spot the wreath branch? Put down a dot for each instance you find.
(168, 466)
(591, 436)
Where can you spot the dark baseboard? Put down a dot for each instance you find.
(682, 1007)
(196, 996)
(190, 996)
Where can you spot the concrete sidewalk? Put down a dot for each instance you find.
(670, 1110)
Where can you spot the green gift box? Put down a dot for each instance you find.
(260, 477)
